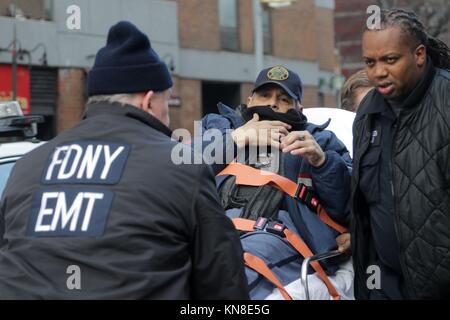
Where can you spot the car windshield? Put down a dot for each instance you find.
(5, 170)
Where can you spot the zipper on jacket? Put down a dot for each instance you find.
(397, 218)
(360, 276)
(392, 186)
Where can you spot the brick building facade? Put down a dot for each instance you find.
(188, 35)
(350, 21)
(300, 32)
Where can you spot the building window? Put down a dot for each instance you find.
(267, 31)
(34, 10)
(43, 96)
(321, 92)
(228, 18)
(48, 7)
(229, 93)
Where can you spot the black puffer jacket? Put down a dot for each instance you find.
(421, 186)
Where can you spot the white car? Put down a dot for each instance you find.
(17, 134)
(341, 122)
(9, 154)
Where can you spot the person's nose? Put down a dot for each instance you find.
(273, 102)
(275, 108)
(380, 71)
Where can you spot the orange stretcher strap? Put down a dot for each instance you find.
(243, 224)
(260, 266)
(248, 176)
(323, 215)
(298, 244)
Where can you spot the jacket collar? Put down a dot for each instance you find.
(233, 115)
(126, 110)
(418, 93)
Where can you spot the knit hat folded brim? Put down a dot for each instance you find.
(129, 79)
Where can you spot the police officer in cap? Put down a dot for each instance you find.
(101, 211)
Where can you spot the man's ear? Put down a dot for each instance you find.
(421, 55)
(249, 99)
(147, 101)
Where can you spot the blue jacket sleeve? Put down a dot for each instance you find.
(332, 180)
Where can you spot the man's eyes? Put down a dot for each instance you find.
(267, 95)
(369, 63)
(391, 60)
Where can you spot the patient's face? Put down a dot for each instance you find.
(273, 96)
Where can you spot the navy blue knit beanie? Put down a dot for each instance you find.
(127, 64)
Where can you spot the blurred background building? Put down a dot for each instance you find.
(208, 45)
(350, 15)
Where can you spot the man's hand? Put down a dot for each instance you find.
(256, 132)
(343, 242)
(302, 143)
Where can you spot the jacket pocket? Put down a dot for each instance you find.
(370, 175)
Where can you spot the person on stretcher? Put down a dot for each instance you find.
(286, 187)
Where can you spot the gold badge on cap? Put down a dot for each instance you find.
(278, 73)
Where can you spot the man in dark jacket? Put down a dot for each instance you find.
(101, 211)
(401, 171)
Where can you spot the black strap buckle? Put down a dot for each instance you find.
(276, 227)
(260, 224)
(307, 196)
(301, 191)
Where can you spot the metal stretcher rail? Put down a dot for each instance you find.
(308, 261)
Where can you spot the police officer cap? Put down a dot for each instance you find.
(287, 79)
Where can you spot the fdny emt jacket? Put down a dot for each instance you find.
(101, 212)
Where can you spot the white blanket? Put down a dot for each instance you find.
(342, 281)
